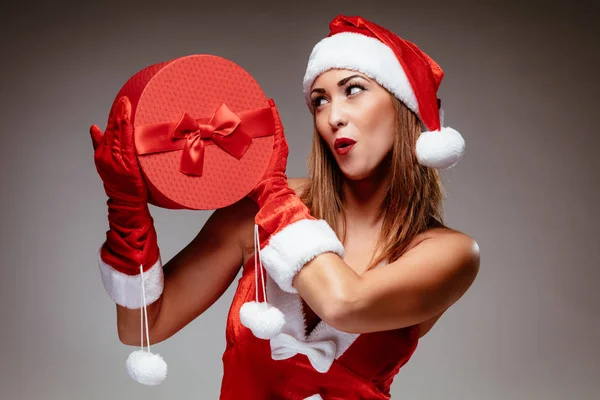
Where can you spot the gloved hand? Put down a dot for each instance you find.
(290, 237)
(131, 240)
(272, 193)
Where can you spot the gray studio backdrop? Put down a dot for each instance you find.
(521, 85)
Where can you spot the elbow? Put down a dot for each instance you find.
(127, 340)
(129, 329)
(342, 311)
(128, 336)
(131, 339)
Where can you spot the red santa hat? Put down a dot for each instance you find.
(400, 67)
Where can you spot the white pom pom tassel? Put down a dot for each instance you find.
(142, 365)
(146, 368)
(440, 149)
(264, 320)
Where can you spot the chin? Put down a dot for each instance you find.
(355, 174)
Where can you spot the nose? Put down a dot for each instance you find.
(337, 114)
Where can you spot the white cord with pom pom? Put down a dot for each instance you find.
(264, 320)
(143, 366)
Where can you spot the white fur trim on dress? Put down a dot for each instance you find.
(126, 290)
(348, 50)
(314, 397)
(295, 245)
(290, 305)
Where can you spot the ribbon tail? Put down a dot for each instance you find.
(192, 158)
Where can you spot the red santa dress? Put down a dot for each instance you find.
(327, 364)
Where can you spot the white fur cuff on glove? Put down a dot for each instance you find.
(294, 246)
(126, 290)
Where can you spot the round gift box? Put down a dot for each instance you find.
(191, 92)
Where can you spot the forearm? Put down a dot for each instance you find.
(129, 324)
(129, 294)
(417, 287)
(330, 287)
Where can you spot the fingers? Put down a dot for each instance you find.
(276, 118)
(124, 127)
(280, 146)
(123, 109)
(96, 135)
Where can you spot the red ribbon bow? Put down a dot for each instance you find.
(231, 132)
(221, 129)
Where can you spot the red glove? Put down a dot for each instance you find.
(289, 236)
(273, 194)
(131, 240)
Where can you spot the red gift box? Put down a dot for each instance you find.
(203, 131)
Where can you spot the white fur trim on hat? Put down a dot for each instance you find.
(126, 290)
(440, 149)
(348, 50)
(295, 245)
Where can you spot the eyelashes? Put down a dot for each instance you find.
(352, 85)
(316, 101)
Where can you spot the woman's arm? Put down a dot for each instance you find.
(422, 283)
(196, 277)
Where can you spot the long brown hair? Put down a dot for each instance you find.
(412, 203)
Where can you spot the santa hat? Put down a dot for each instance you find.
(400, 67)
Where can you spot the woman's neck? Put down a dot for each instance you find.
(363, 200)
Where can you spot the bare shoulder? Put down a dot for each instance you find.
(235, 221)
(299, 185)
(442, 253)
(447, 239)
(451, 250)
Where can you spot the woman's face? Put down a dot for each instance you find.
(355, 117)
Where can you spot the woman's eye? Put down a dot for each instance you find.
(354, 89)
(317, 101)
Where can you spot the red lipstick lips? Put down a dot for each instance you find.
(343, 145)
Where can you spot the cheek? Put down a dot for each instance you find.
(321, 123)
(381, 124)
(387, 120)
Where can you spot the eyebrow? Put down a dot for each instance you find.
(345, 80)
(340, 83)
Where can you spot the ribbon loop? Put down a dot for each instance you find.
(320, 353)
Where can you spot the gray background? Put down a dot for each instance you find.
(521, 85)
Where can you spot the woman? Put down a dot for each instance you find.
(359, 263)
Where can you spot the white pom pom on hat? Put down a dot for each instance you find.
(398, 65)
(440, 149)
